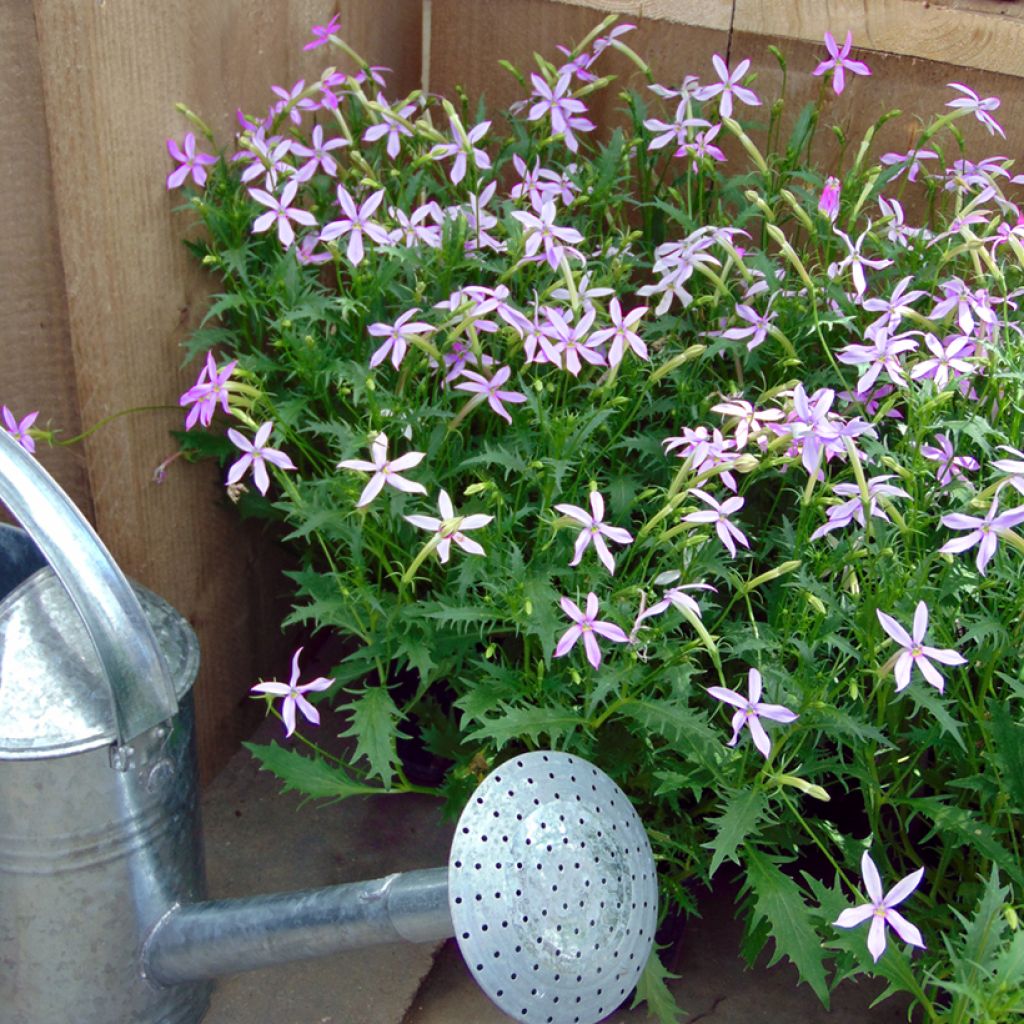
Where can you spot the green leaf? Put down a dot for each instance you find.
(968, 829)
(936, 707)
(743, 812)
(779, 902)
(1009, 750)
(375, 728)
(983, 935)
(675, 722)
(514, 723)
(312, 776)
(511, 462)
(652, 989)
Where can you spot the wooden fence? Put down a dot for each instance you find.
(96, 291)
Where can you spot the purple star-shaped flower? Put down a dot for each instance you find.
(839, 63)
(281, 213)
(751, 711)
(256, 454)
(385, 471)
(728, 533)
(985, 532)
(192, 163)
(728, 86)
(491, 390)
(595, 529)
(397, 337)
(293, 695)
(449, 528)
(951, 465)
(879, 910)
(209, 391)
(586, 626)
(322, 33)
(972, 103)
(915, 652)
(20, 431)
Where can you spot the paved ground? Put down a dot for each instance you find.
(259, 841)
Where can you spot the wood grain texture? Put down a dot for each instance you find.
(714, 14)
(111, 72)
(35, 344)
(538, 26)
(984, 38)
(96, 291)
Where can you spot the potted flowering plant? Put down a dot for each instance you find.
(661, 446)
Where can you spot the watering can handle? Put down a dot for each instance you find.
(141, 689)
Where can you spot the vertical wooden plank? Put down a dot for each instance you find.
(111, 72)
(35, 346)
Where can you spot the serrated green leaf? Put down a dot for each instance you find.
(652, 989)
(375, 729)
(779, 902)
(983, 934)
(515, 723)
(511, 462)
(674, 721)
(312, 776)
(968, 829)
(1009, 750)
(743, 812)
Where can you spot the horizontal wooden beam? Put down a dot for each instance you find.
(982, 34)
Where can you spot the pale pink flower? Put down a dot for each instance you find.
(256, 455)
(20, 431)
(209, 391)
(281, 213)
(565, 111)
(879, 910)
(828, 204)
(751, 711)
(950, 465)
(397, 337)
(391, 127)
(674, 597)
(985, 532)
(728, 533)
(728, 87)
(981, 108)
(292, 693)
(586, 626)
(322, 33)
(839, 62)
(192, 162)
(356, 223)
(464, 148)
(621, 333)
(385, 471)
(492, 390)
(915, 652)
(595, 529)
(1013, 466)
(541, 231)
(449, 528)
(319, 155)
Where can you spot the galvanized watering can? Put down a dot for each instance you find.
(550, 887)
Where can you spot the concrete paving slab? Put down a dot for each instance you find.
(714, 985)
(259, 840)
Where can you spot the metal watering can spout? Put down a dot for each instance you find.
(550, 887)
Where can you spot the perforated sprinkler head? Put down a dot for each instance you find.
(552, 890)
